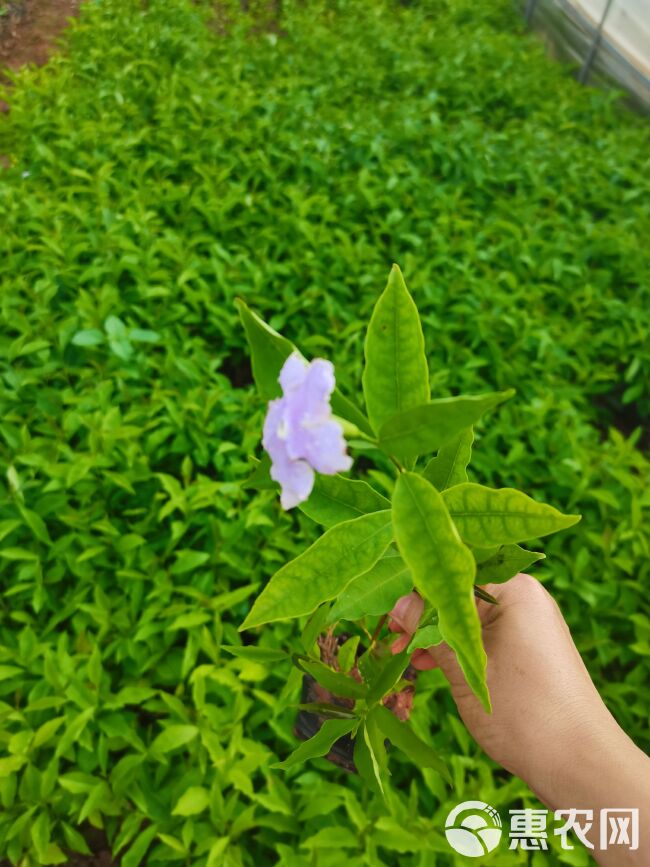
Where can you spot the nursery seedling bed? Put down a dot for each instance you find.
(29, 30)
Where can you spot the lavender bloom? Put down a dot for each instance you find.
(300, 433)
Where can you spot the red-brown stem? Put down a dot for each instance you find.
(378, 628)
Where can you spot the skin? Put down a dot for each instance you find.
(548, 725)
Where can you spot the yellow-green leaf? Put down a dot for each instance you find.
(443, 571)
(334, 499)
(488, 516)
(505, 564)
(396, 375)
(195, 800)
(324, 570)
(449, 467)
(321, 743)
(374, 591)
(423, 429)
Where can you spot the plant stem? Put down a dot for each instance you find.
(378, 628)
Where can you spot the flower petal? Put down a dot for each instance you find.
(296, 480)
(325, 448)
(293, 373)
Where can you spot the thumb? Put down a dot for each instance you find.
(443, 657)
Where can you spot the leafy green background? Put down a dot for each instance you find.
(166, 162)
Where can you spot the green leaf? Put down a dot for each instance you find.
(348, 653)
(320, 744)
(18, 554)
(173, 737)
(115, 328)
(483, 554)
(335, 499)
(40, 833)
(423, 429)
(269, 351)
(374, 591)
(391, 672)
(505, 564)
(331, 711)
(489, 516)
(143, 335)
(74, 840)
(260, 479)
(443, 571)
(377, 744)
(256, 654)
(324, 570)
(88, 337)
(314, 627)
(425, 636)
(73, 731)
(402, 736)
(449, 467)
(339, 684)
(192, 802)
(138, 850)
(345, 409)
(396, 374)
(36, 525)
(365, 760)
(187, 560)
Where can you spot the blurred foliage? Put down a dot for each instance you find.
(165, 163)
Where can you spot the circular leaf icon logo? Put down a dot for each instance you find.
(473, 828)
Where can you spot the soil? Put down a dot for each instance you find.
(29, 30)
(97, 842)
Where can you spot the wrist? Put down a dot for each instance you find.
(598, 768)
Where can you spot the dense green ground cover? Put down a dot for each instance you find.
(160, 170)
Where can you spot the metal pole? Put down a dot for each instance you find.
(591, 56)
(530, 10)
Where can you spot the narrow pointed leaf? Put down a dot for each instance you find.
(269, 350)
(339, 684)
(314, 627)
(402, 736)
(374, 591)
(347, 654)
(376, 741)
(344, 408)
(423, 429)
(449, 467)
(365, 761)
(335, 499)
(320, 744)
(324, 708)
(396, 375)
(489, 516)
(389, 675)
(324, 570)
(443, 571)
(260, 477)
(505, 564)
(425, 636)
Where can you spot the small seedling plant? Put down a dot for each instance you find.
(438, 534)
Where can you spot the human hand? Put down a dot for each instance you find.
(549, 725)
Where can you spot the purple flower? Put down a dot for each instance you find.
(300, 433)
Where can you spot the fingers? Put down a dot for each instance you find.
(406, 614)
